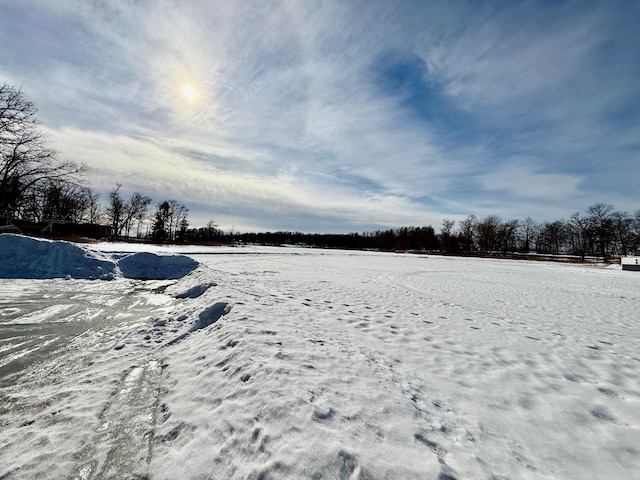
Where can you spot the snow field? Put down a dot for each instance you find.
(384, 367)
(300, 363)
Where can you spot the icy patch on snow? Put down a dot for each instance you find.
(26, 257)
(149, 266)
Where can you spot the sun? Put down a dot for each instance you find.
(189, 92)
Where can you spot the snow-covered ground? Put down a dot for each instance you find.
(298, 363)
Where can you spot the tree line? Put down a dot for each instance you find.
(36, 186)
(126, 216)
(600, 231)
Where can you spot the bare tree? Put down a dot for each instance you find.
(552, 237)
(26, 161)
(580, 231)
(466, 232)
(487, 232)
(636, 229)
(179, 220)
(508, 235)
(134, 210)
(529, 231)
(600, 215)
(115, 210)
(212, 229)
(64, 201)
(141, 210)
(446, 230)
(622, 224)
(94, 209)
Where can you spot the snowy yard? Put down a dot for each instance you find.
(298, 363)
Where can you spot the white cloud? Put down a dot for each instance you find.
(273, 97)
(524, 181)
(271, 199)
(500, 56)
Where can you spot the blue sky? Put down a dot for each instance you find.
(340, 116)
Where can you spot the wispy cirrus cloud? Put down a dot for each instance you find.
(338, 116)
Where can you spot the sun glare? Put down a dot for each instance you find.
(189, 92)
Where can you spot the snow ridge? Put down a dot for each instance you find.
(26, 257)
(149, 266)
(33, 258)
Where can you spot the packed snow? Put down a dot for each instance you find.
(149, 266)
(298, 363)
(26, 257)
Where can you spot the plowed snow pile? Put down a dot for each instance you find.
(300, 363)
(26, 257)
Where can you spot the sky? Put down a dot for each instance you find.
(339, 116)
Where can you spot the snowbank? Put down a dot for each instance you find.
(27, 257)
(149, 266)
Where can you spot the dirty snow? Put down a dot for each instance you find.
(301, 363)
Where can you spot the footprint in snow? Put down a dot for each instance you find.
(195, 292)
(207, 317)
(172, 434)
(323, 415)
(601, 413)
(607, 392)
(210, 315)
(229, 344)
(446, 472)
(165, 413)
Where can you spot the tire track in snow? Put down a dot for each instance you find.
(109, 426)
(126, 427)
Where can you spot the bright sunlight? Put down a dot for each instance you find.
(189, 92)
